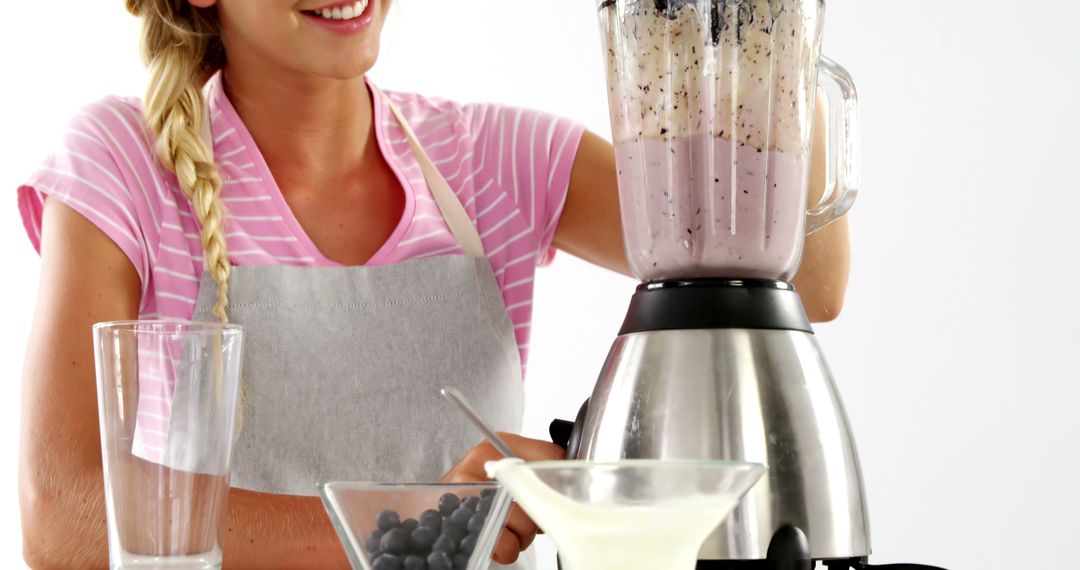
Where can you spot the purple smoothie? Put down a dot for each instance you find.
(700, 207)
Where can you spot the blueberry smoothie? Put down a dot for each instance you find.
(711, 106)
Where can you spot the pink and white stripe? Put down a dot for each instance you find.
(510, 167)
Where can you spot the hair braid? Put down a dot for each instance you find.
(182, 47)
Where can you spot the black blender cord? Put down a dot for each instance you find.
(862, 564)
(899, 567)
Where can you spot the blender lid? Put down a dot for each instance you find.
(716, 304)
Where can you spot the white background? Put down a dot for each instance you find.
(957, 351)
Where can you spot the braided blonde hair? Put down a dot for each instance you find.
(182, 47)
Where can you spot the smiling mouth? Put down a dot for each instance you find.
(342, 12)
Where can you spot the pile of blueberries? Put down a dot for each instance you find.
(442, 539)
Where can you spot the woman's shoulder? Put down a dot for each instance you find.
(107, 118)
(103, 167)
(422, 111)
(106, 138)
(113, 132)
(478, 121)
(105, 144)
(426, 110)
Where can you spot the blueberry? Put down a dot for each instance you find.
(456, 533)
(448, 503)
(410, 525)
(395, 542)
(431, 519)
(476, 523)
(415, 563)
(372, 542)
(471, 503)
(387, 520)
(387, 562)
(671, 8)
(461, 516)
(440, 561)
(461, 561)
(487, 494)
(423, 538)
(468, 545)
(445, 543)
(485, 505)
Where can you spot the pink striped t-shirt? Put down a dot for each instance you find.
(510, 168)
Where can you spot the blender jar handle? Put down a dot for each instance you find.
(842, 158)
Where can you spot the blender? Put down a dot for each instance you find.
(712, 105)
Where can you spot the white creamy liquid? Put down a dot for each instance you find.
(667, 534)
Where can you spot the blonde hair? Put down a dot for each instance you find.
(182, 47)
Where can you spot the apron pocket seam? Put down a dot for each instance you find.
(399, 302)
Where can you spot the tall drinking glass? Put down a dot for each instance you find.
(167, 405)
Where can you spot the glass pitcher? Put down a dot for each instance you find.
(712, 110)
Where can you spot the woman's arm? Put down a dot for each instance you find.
(823, 274)
(87, 279)
(590, 227)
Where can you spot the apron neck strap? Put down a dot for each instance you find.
(204, 128)
(457, 218)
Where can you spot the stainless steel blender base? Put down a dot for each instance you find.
(742, 394)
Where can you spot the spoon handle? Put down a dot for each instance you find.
(458, 400)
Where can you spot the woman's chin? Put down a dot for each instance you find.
(345, 68)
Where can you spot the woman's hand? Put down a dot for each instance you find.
(520, 529)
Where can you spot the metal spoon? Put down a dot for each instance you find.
(459, 400)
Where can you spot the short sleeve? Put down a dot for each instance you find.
(91, 171)
(530, 155)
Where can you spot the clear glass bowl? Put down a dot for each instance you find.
(355, 509)
(629, 514)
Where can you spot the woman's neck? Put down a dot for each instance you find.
(312, 131)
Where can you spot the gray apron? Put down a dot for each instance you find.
(343, 366)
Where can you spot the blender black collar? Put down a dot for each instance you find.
(711, 303)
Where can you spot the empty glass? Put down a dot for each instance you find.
(631, 514)
(167, 405)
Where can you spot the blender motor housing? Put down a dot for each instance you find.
(730, 369)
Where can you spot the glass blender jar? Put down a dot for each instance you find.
(712, 106)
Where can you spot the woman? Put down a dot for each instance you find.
(315, 202)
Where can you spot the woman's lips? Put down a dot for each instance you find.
(343, 18)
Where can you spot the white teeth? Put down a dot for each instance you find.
(346, 13)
